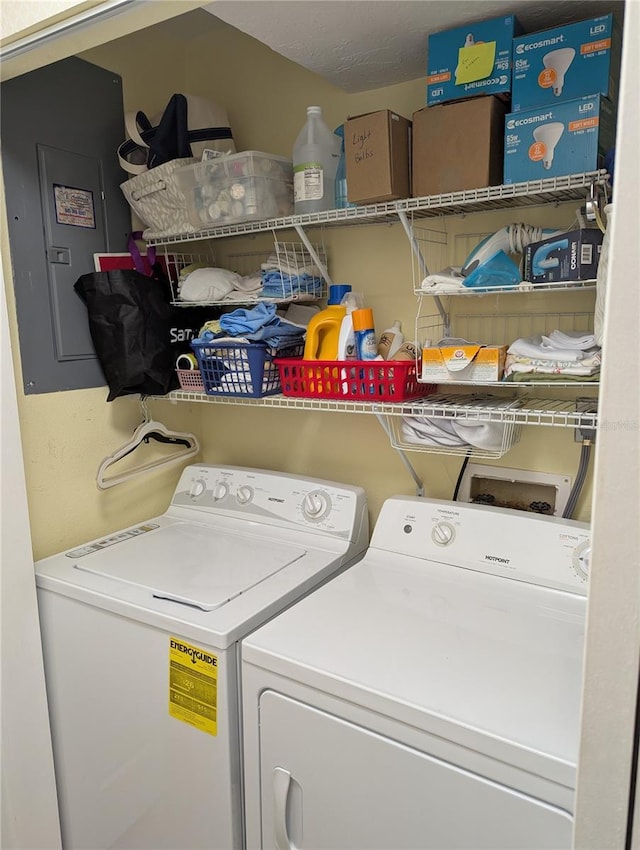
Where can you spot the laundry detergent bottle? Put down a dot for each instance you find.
(316, 153)
(323, 330)
(342, 196)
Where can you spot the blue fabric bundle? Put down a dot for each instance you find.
(278, 284)
(261, 324)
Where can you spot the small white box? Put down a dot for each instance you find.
(247, 186)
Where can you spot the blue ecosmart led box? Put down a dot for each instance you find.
(566, 62)
(567, 138)
(471, 60)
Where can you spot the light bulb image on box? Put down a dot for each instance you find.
(558, 61)
(549, 135)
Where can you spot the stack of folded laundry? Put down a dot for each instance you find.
(285, 276)
(559, 356)
(200, 283)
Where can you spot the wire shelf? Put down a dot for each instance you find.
(531, 193)
(175, 261)
(284, 274)
(470, 433)
(522, 288)
(560, 413)
(503, 329)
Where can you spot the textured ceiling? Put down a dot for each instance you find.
(366, 44)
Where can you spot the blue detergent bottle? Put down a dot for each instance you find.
(342, 200)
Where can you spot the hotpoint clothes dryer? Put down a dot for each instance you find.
(141, 636)
(429, 696)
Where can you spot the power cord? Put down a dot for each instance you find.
(460, 476)
(574, 495)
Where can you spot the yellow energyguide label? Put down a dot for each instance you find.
(193, 685)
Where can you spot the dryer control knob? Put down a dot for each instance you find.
(197, 488)
(316, 505)
(220, 490)
(581, 559)
(244, 494)
(442, 533)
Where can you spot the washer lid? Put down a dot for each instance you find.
(194, 564)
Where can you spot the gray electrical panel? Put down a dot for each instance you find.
(61, 127)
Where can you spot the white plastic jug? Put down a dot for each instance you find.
(316, 154)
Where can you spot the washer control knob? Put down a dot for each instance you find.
(442, 533)
(244, 494)
(220, 490)
(581, 559)
(316, 505)
(197, 488)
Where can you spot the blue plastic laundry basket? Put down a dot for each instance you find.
(241, 369)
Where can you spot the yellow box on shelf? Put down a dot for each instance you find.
(463, 362)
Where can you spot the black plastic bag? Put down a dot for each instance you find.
(130, 320)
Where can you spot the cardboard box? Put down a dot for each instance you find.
(567, 62)
(470, 362)
(471, 60)
(458, 146)
(569, 256)
(377, 149)
(569, 137)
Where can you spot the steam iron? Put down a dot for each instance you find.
(543, 259)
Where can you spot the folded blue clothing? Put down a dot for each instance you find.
(277, 284)
(261, 324)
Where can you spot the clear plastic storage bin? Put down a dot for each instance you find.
(245, 186)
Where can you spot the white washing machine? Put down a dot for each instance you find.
(141, 636)
(428, 697)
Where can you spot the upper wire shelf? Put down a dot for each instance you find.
(530, 193)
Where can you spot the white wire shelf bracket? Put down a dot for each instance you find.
(532, 193)
(523, 288)
(531, 411)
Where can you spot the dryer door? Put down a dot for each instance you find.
(328, 784)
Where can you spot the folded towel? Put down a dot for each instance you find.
(570, 339)
(560, 377)
(534, 346)
(276, 284)
(591, 360)
(208, 284)
(575, 369)
(249, 282)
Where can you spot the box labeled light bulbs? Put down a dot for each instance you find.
(566, 62)
(471, 60)
(568, 138)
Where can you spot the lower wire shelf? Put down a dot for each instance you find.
(530, 411)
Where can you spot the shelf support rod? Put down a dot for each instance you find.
(316, 259)
(418, 481)
(424, 269)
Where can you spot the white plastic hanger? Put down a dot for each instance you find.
(149, 429)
